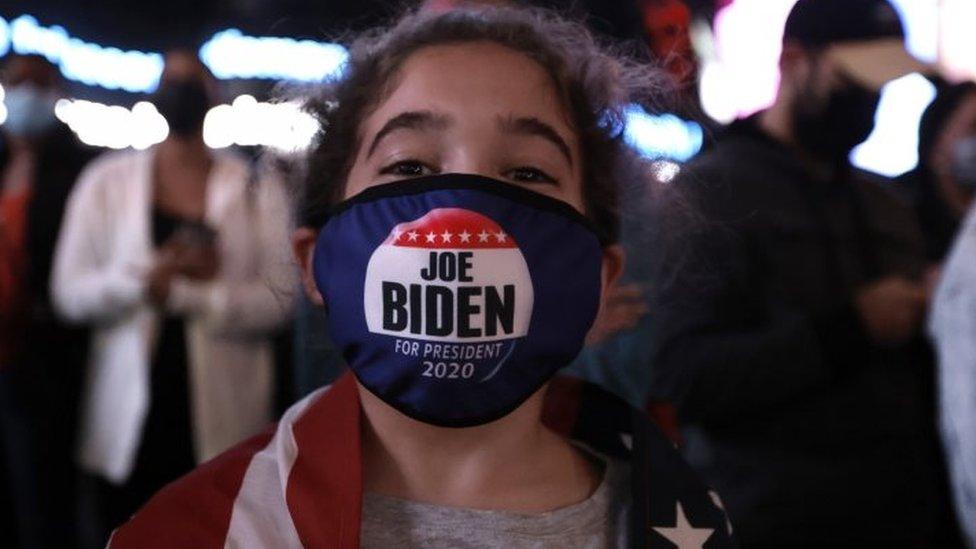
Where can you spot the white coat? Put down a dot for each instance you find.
(103, 254)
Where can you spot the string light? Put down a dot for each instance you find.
(231, 54)
(664, 136)
(113, 126)
(94, 65)
(249, 122)
(228, 54)
(246, 122)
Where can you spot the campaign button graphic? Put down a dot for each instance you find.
(453, 275)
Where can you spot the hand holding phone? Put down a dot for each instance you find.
(196, 251)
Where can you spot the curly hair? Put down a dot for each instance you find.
(595, 86)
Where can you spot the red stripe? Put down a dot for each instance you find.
(194, 511)
(324, 492)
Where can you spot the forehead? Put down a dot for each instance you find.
(473, 81)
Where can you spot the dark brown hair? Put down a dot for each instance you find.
(595, 85)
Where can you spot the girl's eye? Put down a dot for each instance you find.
(528, 174)
(407, 168)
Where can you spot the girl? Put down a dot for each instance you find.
(458, 225)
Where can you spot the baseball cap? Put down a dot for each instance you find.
(865, 37)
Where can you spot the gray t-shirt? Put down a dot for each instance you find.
(597, 522)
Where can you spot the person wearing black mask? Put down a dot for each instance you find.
(178, 257)
(941, 187)
(789, 299)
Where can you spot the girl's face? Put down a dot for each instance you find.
(476, 108)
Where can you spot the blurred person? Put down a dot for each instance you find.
(41, 359)
(952, 325)
(617, 351)
(178, 257)
(941, 186)
(460, 220)
(668, 24)
(788, 305)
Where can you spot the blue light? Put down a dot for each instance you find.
(111, 68)
(231, 54)
(228, 54)
(664, 136)
(4, 37)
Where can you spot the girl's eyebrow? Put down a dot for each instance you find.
(410, 120)
(527, 125)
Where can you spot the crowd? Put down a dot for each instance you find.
(487, 320)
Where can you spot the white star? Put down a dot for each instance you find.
(446, 235)
(483, 236)
(431, 236)
(396, 234)
(412, 235)
(465, 236)
(501, 236)
(682, 534)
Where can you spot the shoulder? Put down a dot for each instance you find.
(105, 179)
(115, 162)
(887, 193)
(725, 183)
(736, 151)
(243, 178)
(109, 170)
(194, 511)
(236, 496)
(662, 483)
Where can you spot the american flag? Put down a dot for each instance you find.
(300, 483)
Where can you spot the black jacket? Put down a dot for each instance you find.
(812, 434)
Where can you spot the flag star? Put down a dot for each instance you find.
(412, 236)
(396, 234)
(501, 236)
(483, 236)
(683, 534)
(465, 236)
(431, 236)
(446, 235)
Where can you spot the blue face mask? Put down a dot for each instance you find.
(455, 297)
(30, 110)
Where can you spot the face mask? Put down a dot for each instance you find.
(455, 297)
(183, 104)
(30, 110)
(963, 162)
(844, 121)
